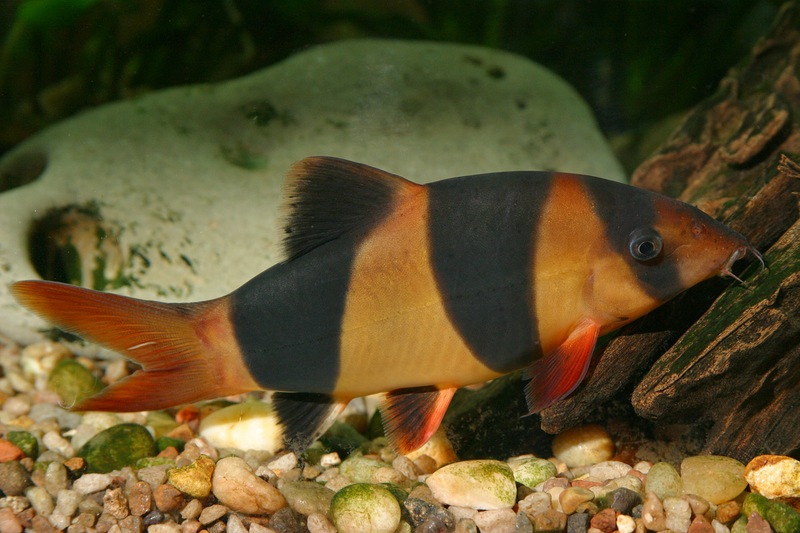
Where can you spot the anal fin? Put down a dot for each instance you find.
(412, 416)
(305, 416)
(561, 371)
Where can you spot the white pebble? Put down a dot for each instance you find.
(643, 466)
(257, 528)
(116, 370)
(330, 459)
(54, 441)
(67, 502)
(235, 525)
(282, 464)
(318, 523)
(19, 383)
(59, 521)
(679, 513)
(89, 483)
(192, 509)
(626, 524)
(338, 483)
(608, 470)
(496, 521)
(719, 527)
(169, 527)
(40, 500)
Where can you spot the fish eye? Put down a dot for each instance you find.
(644, 244)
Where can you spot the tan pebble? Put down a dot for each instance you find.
(774, 476)
(327, 475)
(572, 497)
(318, 523)
(192, 509)
(550, 520)
(115, 371)
(235, 485)
(170, 452)
(192, 525)
(131, 524)
(426, 464)
(643, 466)
(555, 494)
(466, 525)
(116, 504)
(235, 525)
(700, 506)
(338, 483)
(311, 472)
(388, 475)
(255, 527)
(461, 512)
(495, 521)
(583, 445)
(182, 432)
(626, 524)
(40, 524)
(728, 511)
(653, 514)
(168, 498)
(167, 527)
(439, 448)
(283, 463)
(535, 503)
(212, 513)
(406, 466)
(105, 522)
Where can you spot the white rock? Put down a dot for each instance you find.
(606, 470)
(54, 441)
(89, 483)
(246, 426)
(583, 445)
(496, 521)
(67, 502)
(625, 524)
(774, 476)
(235, 485)
(479, 484)
(40, 500)
(423, 110)
(319, 523)
(282, 464)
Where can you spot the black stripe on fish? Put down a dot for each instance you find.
(482, 231)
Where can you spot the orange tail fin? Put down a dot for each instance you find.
(187, 351)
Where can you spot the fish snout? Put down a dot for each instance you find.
(737, 254)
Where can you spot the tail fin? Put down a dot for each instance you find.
(187, 351)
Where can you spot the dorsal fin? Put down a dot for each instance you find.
(325, 197)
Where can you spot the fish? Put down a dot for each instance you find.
(407, 290)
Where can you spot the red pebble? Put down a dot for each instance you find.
(585, 483)
(9, 451)
(757, 524)
(605, 520)
(700, 524)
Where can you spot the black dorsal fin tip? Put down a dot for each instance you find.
(325, 197)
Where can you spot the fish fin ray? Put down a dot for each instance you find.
(412, 416)
(561, 371)
(305, 416)
(326, 197)
(176, 367)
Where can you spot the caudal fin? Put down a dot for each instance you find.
(186, 351)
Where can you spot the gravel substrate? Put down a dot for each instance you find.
(127, 473)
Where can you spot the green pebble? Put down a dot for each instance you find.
(359, 469)
(147, 462)
(363, 507)
(783, 518)
(755, 502)
(399, 494)
(73, 382)
(117, 447)
(664, 480)
(343, 438)
(165, 442)
(530, 471)
(25, 442)
(740, 526)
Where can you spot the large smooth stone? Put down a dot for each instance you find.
(478, 484)
(188, 179)
(715, 478)
(248, 425)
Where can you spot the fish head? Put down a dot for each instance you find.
(647, 259)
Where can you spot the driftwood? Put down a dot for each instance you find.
(736, 365)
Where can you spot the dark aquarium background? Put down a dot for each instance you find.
(637, 62)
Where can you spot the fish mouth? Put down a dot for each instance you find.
(739, 253)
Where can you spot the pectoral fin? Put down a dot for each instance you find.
(412, 416)
(305, 416)
(561, 371)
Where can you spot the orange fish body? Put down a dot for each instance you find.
(412, 290)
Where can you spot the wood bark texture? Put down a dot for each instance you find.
(724, 354)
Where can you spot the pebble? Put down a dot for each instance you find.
(89, 483)
(496, 521)
(18, 405)
(330, 459)
(608, 470)
(9, 523)
(308, 497)
(235, 524)
(653, 515)
(212, 513)
(168, 498)
(359, 469)
(535, 503)
(757, 524)
(715, 478)
(55, 478)
(54, 441)
(118, 446)
(774, 476)
(421, 511)
(67, 502)
(26, 442)
(572, 497)
(439, 448)
(583, 445)
(235, 485)
(40, 500)
(13, 478)
(605, 520)
(578, 523)
(286, 521)
(531, 471)
(664, 480)
(550, 520)
(678, 513)
(194, 479)
(140, 498)
(700, 524)
(283, 463)
(479, 484)
(318, 523)
(365, 508)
